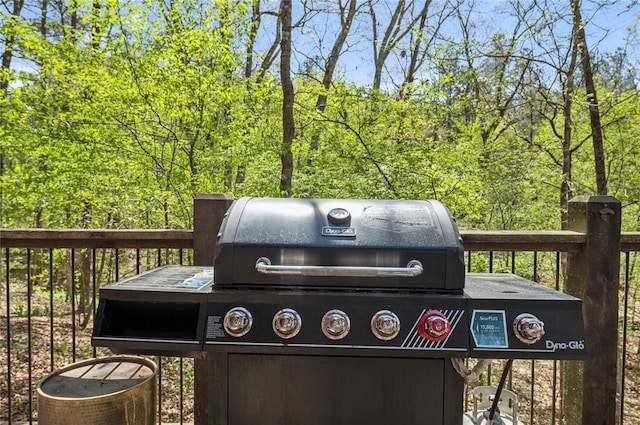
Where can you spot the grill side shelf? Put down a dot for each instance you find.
(497, 301)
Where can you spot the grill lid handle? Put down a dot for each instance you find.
(413, 269)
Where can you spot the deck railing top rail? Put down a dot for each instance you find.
(95, 238)
(474, 240)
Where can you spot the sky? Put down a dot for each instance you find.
(607, 29)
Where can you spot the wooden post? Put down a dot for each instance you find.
(208, 211)
(589, 393)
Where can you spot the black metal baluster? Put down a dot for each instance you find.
(532, 399)
(117, 265)
(181, 391)
(51, 307)
(29, 342)
(94, 295)
(159, 389)
(490, 367)
(533, 362)
(9, 382)
(554, 384)
(624, 336)
(73, 305)
(490, 261)
(535, 266)
(513, 271)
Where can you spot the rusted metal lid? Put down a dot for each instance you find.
(97, 377)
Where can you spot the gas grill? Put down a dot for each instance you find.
(337, 312)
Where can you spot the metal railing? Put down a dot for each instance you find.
(49, 282)
(50, 285)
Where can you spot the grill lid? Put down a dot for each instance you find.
(339, 243)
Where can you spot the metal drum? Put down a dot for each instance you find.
(118, 390)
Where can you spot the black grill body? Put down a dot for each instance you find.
(336, 312)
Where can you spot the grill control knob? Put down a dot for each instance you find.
(335, 324)
(237, 322)
(528, 328)
(385, 325)
(287, 323)
(434, 326)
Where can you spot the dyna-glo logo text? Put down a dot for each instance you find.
(569, 345)
(338, 231)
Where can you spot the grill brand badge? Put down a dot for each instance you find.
(489, 329)
(569, 345)
(339, 231)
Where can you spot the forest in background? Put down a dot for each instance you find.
(115, 114)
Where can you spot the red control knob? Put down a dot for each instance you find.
(434, 326)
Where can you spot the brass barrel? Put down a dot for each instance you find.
(117, 390)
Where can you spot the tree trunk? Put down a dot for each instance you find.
(43, 17)
(225, 40)
(74, 21)
(85, 308)
(566, 191)
(7, 55)
(592, 99)
(395, 31)
(96, 28)
(253, 32)
(288, 124)
(332, 60)
(271, 54)
(382, 48)
(414, 59)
